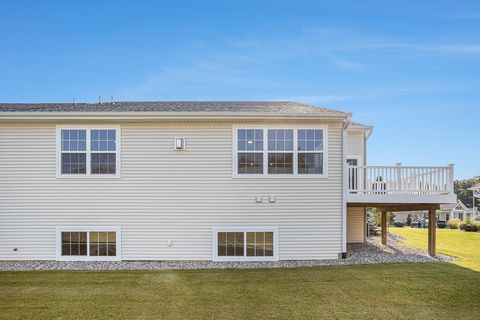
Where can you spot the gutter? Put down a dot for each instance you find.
(367, 129)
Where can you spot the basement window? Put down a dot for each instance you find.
(88, 243)
(253, 244)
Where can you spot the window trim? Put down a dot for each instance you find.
(88, 174)
(265, 152)
(88, 229)
(216, 230)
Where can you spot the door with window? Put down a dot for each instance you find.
(354, 174)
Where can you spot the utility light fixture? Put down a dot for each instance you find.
(180, 144)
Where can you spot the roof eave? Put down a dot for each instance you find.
(367, 130)
(158, 116)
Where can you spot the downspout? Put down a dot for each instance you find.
(345, 126)
(369, 133)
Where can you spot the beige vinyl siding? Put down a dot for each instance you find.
(356, 144)
(162, 195)
(355, 225)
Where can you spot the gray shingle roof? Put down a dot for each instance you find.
(273, 107)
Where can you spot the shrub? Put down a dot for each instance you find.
(399, 224)
(468, 225)
(453, 224)
(442, 224)
(477, 224)
(409, 219)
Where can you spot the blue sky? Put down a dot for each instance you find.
(410, 68)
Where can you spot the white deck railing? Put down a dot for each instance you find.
(400, 180)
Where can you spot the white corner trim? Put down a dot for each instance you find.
(58, 243)
(344, 190)
(88, 175)
(245, 229)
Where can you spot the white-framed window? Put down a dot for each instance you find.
(250, 146)
(88, 243)
(245, 243)
(92, 151)
(280, 151)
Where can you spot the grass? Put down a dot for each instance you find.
(464, 245)
(393, 291)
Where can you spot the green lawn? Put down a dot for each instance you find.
(464, 245)
(393, 291)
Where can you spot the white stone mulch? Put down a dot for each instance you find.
(371, 252)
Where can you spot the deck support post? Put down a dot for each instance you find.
(432, 230)
(384, 227)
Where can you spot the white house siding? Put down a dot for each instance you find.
(356, 145)
(355, 225)
(162, 195)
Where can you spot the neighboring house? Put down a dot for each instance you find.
(472, 213)
(453, 211)
(446, 213)
(194, 181)
(402, 217)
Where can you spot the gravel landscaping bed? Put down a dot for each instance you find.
(370, 252)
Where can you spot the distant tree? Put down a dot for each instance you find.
(391, 217)
(371, 216)
(461, 189)
(409, 219)
(377, 215)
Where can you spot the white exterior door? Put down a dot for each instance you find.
(354, 173)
